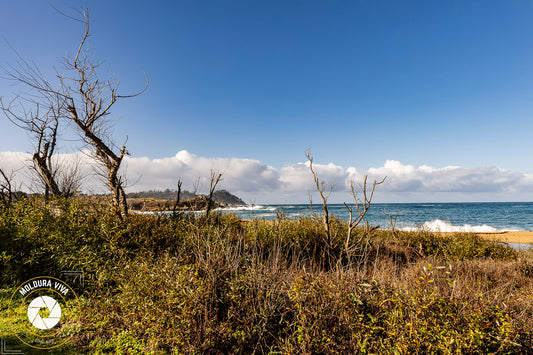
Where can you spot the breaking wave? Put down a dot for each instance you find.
(438, 225)
(248, 208)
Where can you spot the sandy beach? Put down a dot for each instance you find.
(522, 237)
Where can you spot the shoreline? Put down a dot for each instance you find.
(512, 237)
(515, 237)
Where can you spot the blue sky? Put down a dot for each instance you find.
(435, 83)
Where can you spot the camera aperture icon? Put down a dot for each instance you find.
(42, 311)
(52, 307)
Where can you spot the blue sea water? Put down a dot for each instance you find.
(444, 217)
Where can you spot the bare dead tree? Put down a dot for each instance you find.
(361, 205)
(67, 173)
(39, 111)
(213, 182)
(42, 158)
(41, 121)
(6, 189)
(178, 195)
(57, 177)
(89, 102)
(321, 188)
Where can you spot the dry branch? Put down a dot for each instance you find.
(213, 182)
(320, 186)
(362, 207)
(6, 190)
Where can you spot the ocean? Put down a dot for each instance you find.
(443, 217)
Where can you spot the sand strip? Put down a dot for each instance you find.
(522, 237)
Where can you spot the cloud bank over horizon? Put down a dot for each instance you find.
(257, 182)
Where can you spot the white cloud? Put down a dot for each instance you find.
(425, 179)
(257, 182)
(243, 175)
(298, 176)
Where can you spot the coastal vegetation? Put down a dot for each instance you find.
(191, 284)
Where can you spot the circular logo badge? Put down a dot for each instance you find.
(41, 310)
(54, 312)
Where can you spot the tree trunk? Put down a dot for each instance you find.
(49, 180)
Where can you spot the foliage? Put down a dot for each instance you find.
(189, 284)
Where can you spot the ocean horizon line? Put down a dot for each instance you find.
(385, 203)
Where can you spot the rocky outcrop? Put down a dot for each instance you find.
(227, 197)
(198, 203)
(165, 200)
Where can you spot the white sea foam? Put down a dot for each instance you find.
(264, 215)
(438, 225)
(248, 208)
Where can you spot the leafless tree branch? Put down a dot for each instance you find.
(42, 123)
(362, 207)
(213, 182)
(321, 187)
(178, 196)
(6, 190)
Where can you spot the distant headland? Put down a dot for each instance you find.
(155, 200)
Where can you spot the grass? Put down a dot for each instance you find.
(187, 285)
